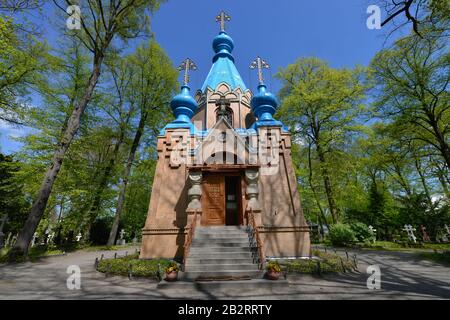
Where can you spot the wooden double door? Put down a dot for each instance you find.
(222, 199)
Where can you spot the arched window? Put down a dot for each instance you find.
(226, 113)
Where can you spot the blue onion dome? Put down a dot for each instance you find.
(183, 105)
(223, 45)
(264, 104)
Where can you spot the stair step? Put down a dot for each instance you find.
(221, 267)
(219, 242)
(221, 255)
(201, 228)
(199, 244)
(219, 260)
(210, 250)
(208, 236)
(192, 275)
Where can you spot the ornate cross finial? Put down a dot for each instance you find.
(259, 64)
(185, 66)
(222, 17)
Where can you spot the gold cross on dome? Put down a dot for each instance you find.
(259, 64)
(185, 66)
(222, 17)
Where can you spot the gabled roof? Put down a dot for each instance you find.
(222, 125)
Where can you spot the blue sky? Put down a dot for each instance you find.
(279, 31)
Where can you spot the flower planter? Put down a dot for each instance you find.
(171, 276)
(271, 275)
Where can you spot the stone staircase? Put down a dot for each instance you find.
(220, 253)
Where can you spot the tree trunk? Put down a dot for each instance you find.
(322, 214)
(37, 210)
(96, 203)
(423, 180)
(443, 145)
(442, 179)
(334, 210)
(123, 188)
(401, 179)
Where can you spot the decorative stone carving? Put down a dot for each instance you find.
(195, 191)
(252, 191)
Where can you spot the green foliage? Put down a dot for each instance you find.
(99, 232)
(139, 267)
(22, 60)
(34, 254)
(416, 211)
(12, 198)
(329, 263)
(361, 231)
(341, 234)
(321, 105)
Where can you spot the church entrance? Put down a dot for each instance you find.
(221, 199)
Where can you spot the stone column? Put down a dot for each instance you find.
(195, 191)
(252, 191)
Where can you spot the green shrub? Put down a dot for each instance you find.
(362, 232)
(139, 267)
(341, 234)
(329, 262)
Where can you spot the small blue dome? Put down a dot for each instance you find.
(183, 105)
(223, 45)
(223, 41)
(264, 104)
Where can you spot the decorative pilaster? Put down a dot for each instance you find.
(195, 191)
(252, 191)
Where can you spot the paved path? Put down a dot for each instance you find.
(403, 276)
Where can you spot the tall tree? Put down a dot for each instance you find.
(418, 13)
(322, 104)
(154, 82)
(104, 22)
(22, 58)
(413, 80)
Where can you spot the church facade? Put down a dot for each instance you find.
(224, 161)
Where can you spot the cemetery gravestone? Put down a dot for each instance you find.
(373, 231)
(425, 236)
(33, 241)
(121, 240)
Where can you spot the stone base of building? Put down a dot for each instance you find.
(282, 242)
(163, 243)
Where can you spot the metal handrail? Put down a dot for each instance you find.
(189, 237)
(255, 235)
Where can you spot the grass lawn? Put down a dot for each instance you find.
(393, 246)
(33, 255)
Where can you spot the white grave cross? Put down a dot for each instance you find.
(373, 231)
(79, 236)
(410, 230)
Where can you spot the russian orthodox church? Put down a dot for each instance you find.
(224, 168)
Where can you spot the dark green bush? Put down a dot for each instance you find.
(140, 267)
(361, 231)
(329, 262)
(341, 234)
